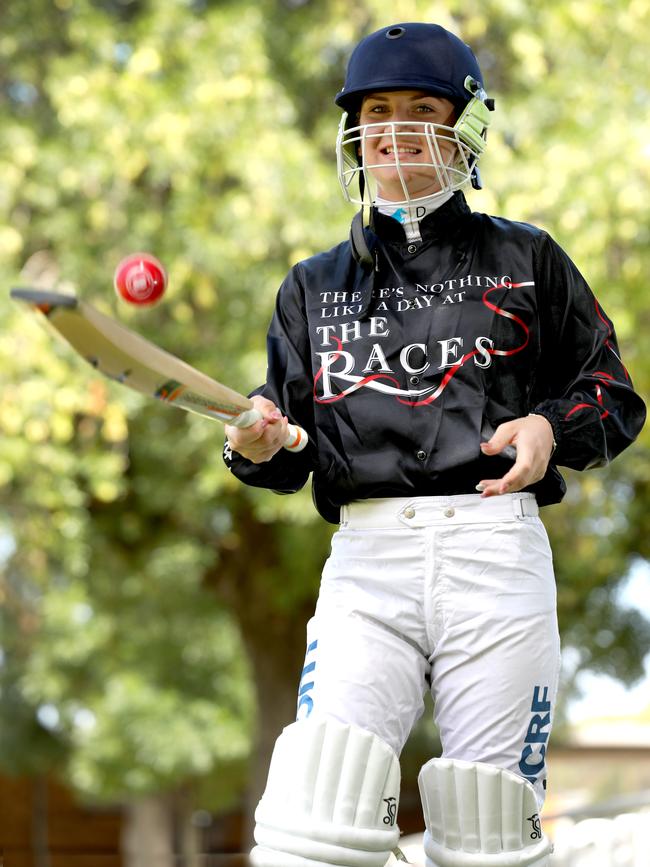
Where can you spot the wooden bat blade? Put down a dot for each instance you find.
(130, 359)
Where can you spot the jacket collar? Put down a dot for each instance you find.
(438, 223)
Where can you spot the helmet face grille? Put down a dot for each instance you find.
(404, 162)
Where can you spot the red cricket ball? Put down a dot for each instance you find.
(140, 279)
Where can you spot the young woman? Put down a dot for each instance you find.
(443, 362)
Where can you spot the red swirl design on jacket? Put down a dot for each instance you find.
(360, 382)
(601, 377)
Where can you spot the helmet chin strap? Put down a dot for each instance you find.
(362, 255)
(358, 243)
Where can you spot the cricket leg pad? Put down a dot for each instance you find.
(478, 815)
(331, 799)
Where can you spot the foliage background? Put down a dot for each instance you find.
(153, 610)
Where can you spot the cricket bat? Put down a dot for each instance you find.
(126, 357)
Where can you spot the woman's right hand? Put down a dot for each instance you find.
(262, 440)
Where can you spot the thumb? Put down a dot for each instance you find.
(272, 417)
(502, 437)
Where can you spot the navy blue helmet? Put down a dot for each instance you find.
(412, 56)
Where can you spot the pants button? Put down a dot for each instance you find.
(449, 513)
(409, 512)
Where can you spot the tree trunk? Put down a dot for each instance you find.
(252, 578)
(276, 685)
(188, 836)
(39, 830)
(148, 833)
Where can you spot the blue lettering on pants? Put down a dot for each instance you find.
(305, 700)
(533, 755)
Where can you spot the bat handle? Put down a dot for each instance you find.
(297, 437)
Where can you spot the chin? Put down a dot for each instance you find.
(396, 192)
(390, 185)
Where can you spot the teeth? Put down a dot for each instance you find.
(401, 150)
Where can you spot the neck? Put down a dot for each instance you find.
(410, 214)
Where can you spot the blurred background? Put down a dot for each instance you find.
(152, 609)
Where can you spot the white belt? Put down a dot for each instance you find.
(427, 511)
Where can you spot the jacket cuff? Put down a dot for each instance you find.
(547, 411)
(285, 473)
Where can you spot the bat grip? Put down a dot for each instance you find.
(296, 439)
(246, 418)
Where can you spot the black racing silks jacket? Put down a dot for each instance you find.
(399, 375)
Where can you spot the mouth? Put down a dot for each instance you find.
(400, 150)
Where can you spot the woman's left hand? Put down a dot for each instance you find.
(532, 437)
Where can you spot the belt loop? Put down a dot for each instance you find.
(344, 516)
(526, 508)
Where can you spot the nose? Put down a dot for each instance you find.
(399, 125)
(400, 116)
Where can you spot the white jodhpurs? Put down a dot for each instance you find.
(455, 594)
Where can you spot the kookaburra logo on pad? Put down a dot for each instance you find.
(536, 827)
(391, 811)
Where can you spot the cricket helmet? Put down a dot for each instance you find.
(413, 56)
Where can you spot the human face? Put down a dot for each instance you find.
(415, 152)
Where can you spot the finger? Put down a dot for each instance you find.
(266, 407)
(251, 432)
(260, 441)
(247, 437)
(497, 489)
(273, 417)
(273, 436)
(521, 472)
(261, 455)
(488, 487)
(270, 416)
(515, 479)
(501, 438)
(508, 484)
